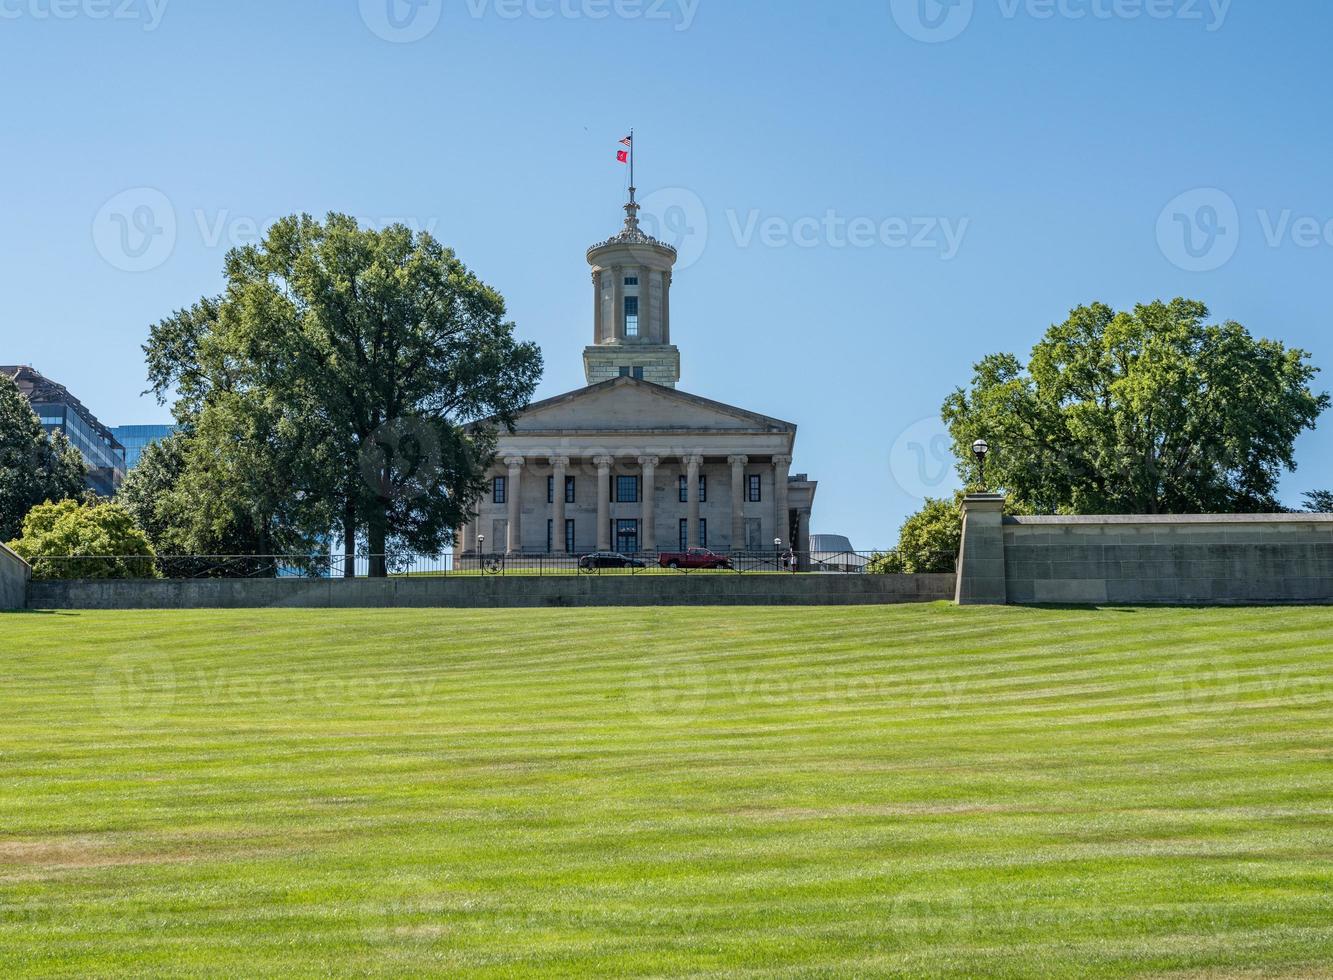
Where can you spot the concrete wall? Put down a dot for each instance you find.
(496, 591)
(14, 575)
(1259, 559)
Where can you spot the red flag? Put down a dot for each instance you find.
(622, 156)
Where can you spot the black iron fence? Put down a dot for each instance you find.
(472, 563)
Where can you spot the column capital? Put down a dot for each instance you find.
(514, 462)
(604, 462)
(559, 461)
(738, 460)
(647, 461)
(782, 460)
(694, 459)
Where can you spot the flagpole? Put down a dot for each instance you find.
(631, 157)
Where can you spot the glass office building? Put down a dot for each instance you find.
(137, 438)
(59, 410)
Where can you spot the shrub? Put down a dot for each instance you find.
(928, 542)
(103, 535)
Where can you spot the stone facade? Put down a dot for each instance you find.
(630, 463)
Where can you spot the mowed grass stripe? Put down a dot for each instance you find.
(904, 791)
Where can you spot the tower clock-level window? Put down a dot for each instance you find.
(631, 316)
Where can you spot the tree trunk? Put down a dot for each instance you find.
(376, 534)
(349, 539)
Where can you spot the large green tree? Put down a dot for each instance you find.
(34, 467)
(1152, 411)
(74, 539)
(338, 382)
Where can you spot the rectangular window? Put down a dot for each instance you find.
(569, 490)
(550, 490)
(631, 316)
(631, 280)
(703, 489)
(627, 537)
(756, 487)
(638, 374)
(624, 372)
(627, 489)
(684, 489)
(550, 535)
(569, 536)
(499, 490)
(685, 533)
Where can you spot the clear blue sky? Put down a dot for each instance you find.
(1049, 143)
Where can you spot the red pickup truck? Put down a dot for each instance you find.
(694, 558)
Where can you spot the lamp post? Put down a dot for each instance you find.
(481, 549)
(777, 553)
(980, 449)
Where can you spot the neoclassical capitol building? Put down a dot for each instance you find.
(630, 463)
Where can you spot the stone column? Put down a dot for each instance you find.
(648, 539)
(469, 539)
(646, 304)
(738, 464)
(981, 575)
(692, 464)
(597, 337)
(803, 540)
(604, 464)
(618, 303)
(512, 488)
(782, 525)
(666, 307)
(558, 464)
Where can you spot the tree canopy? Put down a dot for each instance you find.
(34, 467)
(1152, 411)
(347, 378)
(101, 535)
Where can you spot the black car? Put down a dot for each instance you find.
(608, 559)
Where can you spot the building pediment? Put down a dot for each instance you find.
(624, 405)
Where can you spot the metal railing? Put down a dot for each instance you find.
(472, 563)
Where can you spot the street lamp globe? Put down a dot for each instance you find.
(980, 448)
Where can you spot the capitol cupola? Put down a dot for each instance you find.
(631, 278)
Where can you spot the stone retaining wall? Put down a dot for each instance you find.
(1235, 559)
(14, 574)
(466, 591)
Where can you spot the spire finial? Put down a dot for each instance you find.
(632, 212)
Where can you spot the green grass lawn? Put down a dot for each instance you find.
(909, 791)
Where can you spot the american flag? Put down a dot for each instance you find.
(627, 141)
